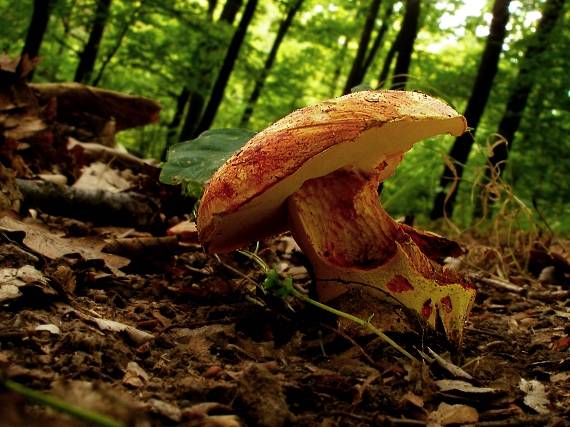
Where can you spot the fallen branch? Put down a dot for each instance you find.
(98, 206)
(76, 101)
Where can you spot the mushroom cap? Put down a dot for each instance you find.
(367, 131)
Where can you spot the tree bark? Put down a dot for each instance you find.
(181, 101)
(522, 88)
(388, 61)
(225, 71)
(195, 107)
(211, 8)
(260, 82)
(378, 40)
(230, 11)
(78, 104)
(130, 21)
(101, 207)
(445, 200)
(341, 55)
(354, 77)
(197, 100)
(36, 31)
(408, 33)
(88, 57)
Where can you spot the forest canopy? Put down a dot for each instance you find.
(247, 63)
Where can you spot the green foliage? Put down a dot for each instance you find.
(192, 163)
(154, 48)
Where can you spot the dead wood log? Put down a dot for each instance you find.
(97, 206)
(87, 103)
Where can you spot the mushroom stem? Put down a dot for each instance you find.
(351, 241)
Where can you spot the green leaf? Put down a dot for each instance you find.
(192, 163)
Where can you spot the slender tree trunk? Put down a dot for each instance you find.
(260, 82)
(211, 8)
(217, 93)
(408, 33)
(195, 106)
(356, 69)
(36, 31)
(172, 129)
(524, 83)
(445, 200)
(335, 80)
(197, 100)
(126, 27)
(388, 61)
(378, 40)
(230, 10)
(88, 57)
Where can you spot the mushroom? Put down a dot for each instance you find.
(316, 172)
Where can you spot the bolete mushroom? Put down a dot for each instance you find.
(316, 173)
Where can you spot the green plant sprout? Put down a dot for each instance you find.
(283, 288)
(94, 418)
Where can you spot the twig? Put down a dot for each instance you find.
(92, 417)
(499, 284)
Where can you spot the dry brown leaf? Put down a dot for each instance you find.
(452, 414)
(535, 395)
(42, 240)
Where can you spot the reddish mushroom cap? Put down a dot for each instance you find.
(368, 131)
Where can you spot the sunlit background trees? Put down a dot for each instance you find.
(238, 63)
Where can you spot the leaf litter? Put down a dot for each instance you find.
(173, 336)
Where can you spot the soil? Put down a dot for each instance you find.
(179, 337)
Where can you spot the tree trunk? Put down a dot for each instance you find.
(36, 31)
(354, 78)
(388, 61)
(378, 41)
(230, 11)
(524, 83)
(130, 21)
(181, 101)
(88, 57)
(195, 107)
(211, 8)
(408, 33)
(444, 200)
(341, 55)
(260, 82)
(196, 100)
(225, 71)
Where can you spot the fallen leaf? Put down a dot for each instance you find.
(135, 376)
(465, 387)
(41, 240)
(535, 395)
(165, 409)
(13, 280)
(101, 176)
(186, 231)
(138, 336)
(51, 328)
(452, 414)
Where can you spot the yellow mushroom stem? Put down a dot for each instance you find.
(340, 225)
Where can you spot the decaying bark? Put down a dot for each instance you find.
(96, 206)
(82, 104)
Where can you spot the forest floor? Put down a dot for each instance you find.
(187, 339)
(153, 331)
